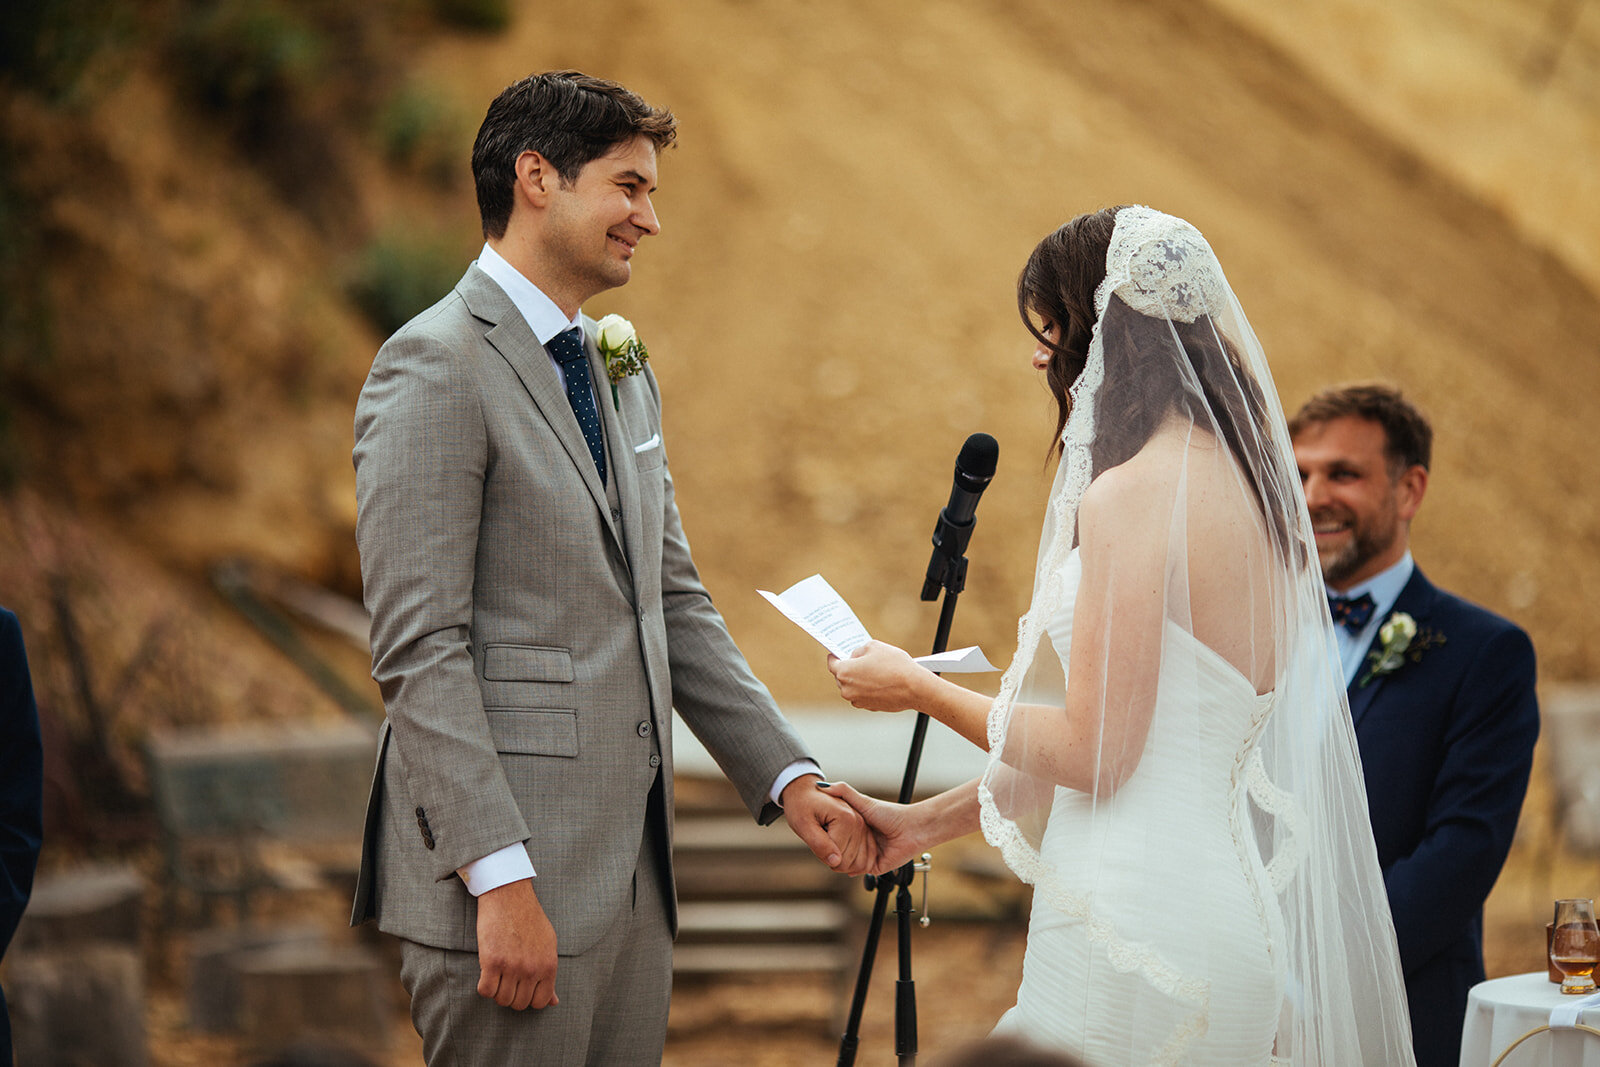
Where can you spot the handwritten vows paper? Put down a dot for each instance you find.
(813, 606)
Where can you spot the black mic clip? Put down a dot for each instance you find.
(947, 567)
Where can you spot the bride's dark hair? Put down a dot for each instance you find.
(1057, 285)
(1141, 390)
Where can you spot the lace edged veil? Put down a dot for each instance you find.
(1177, 591)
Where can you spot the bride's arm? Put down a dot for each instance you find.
(901, 832)
(1095, 742)
(881, 677)
(1123, 525)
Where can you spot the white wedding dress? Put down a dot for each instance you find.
(1120, 971)
(1224, 906)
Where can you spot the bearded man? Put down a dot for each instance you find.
(1441, 692)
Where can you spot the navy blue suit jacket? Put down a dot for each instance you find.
(1446, 748)
(21, 787)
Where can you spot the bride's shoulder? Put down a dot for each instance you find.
(1130, 493)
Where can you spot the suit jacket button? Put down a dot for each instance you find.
(644, 729)
(427, 839)
(616, 514)
(421, 814)
(655, 761)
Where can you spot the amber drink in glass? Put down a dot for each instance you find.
(1575, 945)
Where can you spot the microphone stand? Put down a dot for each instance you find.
(947, 570)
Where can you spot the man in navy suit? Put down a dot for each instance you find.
(1441, 692)
(21, 787)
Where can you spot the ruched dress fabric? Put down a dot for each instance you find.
(1121, 975)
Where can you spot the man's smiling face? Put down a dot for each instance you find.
(594, 224)
(1361, 515)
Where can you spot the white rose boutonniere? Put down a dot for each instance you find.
(1399, 640)
(624, 353)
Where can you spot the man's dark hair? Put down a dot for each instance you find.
(568, 118)
(1407, 435)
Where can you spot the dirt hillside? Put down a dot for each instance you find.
(1398, 191)
(830, 304)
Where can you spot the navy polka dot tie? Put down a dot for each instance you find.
(567, 347)
(1352, 613)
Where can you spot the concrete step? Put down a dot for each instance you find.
(769, 922)
(761, 958)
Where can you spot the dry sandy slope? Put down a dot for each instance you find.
(830, 303)
(830, 309)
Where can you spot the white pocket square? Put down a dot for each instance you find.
(654, 442)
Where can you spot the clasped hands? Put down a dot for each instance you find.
(834, 820)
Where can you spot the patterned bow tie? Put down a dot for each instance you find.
(1352, 612)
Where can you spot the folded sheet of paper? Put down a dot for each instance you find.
(812, 605)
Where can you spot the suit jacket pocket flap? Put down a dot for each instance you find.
(534, 731)
(526, 663)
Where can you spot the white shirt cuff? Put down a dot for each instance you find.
(502, 867)
(789, 774)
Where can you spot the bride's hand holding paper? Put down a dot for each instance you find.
(880, 677)
(813, 606)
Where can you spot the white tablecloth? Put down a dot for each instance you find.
(1503, 1009)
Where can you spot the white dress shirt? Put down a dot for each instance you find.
(545, 319)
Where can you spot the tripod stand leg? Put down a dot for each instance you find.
(905, 1001)
(905, 989)
(858, 1002)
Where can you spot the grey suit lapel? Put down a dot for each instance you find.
(619, 441)
(511, 336)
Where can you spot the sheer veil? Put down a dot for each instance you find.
(1178, 631)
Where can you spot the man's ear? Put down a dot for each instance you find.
(1409, 490)
(536, 178)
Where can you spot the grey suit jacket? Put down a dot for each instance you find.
(530, 636)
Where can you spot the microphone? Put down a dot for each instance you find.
(947, 566)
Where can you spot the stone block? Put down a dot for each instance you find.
(213, 992)
(82, 906)
(80, 1005)
(297, 992)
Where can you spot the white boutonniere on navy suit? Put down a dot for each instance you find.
(1399, 641)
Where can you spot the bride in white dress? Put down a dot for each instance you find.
(1172, 765)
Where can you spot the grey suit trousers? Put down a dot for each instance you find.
(613, 997)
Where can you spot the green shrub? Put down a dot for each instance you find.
(486, 15)
(26, 336)
(418, 128)
(46, 45)
(246, 57)
(401, 274)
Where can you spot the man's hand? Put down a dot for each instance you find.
(829, 826)
(896, 836)
(516, 948)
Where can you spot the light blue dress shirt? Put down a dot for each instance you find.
(1384, 588)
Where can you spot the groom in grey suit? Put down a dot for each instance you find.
(536, 616)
